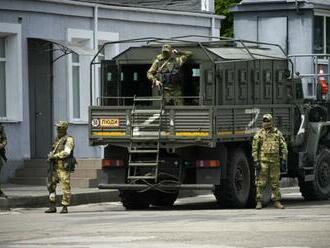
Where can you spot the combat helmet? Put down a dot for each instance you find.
(267, 118)
(62, 125)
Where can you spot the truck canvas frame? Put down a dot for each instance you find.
(154, 149)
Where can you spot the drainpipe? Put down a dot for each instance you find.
(95, 47)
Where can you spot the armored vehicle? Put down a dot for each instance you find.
(154, 149)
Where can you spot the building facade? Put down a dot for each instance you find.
(39, 85)
(301, 27)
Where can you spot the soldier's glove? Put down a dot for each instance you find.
(256, 168)
(51, 156)
(284, 166)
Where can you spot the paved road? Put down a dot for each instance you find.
(194, 222)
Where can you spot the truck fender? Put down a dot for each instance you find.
(316, 131)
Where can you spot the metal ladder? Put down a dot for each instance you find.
(144, 146)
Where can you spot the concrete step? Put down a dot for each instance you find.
(82, 163)
(42, 172)
(35, 163)
(89, 163)
(34, 172)
(29, 180)
(86, 173)
(31, 172)
(75, 182)
(84, 183)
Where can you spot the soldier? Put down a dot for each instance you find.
(164, 72)
(3, 143)
(61, 163)
(269, 152)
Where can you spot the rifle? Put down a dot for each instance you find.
(3, 154)
(51, 168)
(70, 163)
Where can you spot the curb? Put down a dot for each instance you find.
(86, 198)
(42, 201)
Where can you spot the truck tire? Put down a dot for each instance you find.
(163, 199)
(133, 200)
(234, 191)
(319, 189)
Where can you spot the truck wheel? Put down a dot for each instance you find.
(235, 190)
(163, 199)
(134, 200)
(319, 189)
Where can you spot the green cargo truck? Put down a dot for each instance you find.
(153, 149)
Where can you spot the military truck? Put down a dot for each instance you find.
(153, 150)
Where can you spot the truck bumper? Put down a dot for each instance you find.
(156, 187)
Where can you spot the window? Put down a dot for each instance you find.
(2, 77)
(79, 76)
(11, 87)
(321, 32)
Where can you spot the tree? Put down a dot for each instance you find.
(222, 8)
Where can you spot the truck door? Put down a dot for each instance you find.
(241, 70)
(266, 81)
(226, 86)
(280, 90)
(207, 83)
(109, 83)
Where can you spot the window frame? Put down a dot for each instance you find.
(13, 69)
(84, 37)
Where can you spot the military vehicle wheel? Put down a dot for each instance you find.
(163, 199)
(319, 189)
(235, 190)
(134, 200)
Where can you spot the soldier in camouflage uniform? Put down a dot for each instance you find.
(269, 151)
(59, 170)
(164, 72)
(3, 143)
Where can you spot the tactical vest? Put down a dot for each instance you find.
(70, 161)
(270, 143)
(61, 146)
(169, 72)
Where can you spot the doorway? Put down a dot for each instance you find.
(40, 96)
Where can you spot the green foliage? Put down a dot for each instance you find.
(222, 8)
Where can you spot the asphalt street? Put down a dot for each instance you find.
(194, 222)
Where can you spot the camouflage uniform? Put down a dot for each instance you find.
(165, 68)
(268, 149)
(63, 147)
(3, 143)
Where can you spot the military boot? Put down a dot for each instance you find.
(64, 210)
(278, 205)
(259, 205)
(51, 209)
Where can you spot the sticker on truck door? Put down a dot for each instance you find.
(109, 122)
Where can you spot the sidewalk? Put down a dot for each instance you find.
(28, 196)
